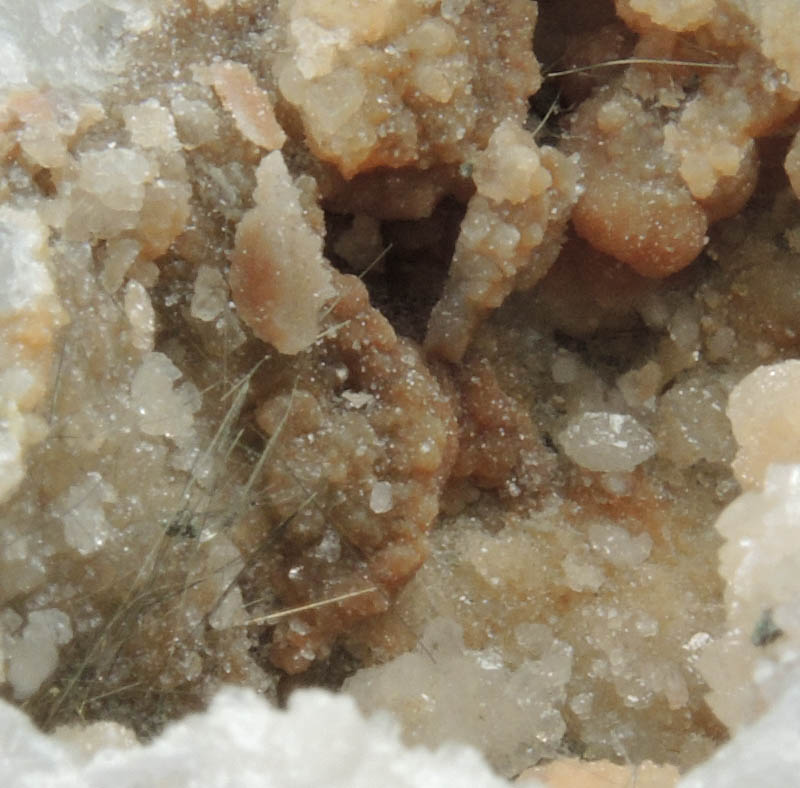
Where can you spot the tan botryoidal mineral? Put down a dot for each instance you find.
(510, 235)
(365, 439)
(653, 187)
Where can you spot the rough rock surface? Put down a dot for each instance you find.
(229, 452)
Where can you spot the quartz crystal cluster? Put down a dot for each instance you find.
(443, 353)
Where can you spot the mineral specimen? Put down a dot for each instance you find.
(411, 348)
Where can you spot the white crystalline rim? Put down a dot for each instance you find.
(323, 740)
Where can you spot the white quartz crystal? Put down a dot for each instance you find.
(380, 498)
(68, 40)
(767, 754)
(600, 441)
(163, 409)
(759, 653)
(12, 432)
(33, 655)
(29, 317)
(81, 509)
(618, 546)
(140, 314)
(435, 690)
(23, 274)
(151, 125)
(210, 293)
(322, 740)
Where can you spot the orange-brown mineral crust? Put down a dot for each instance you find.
(634, 206)
(497, 441)
(356, 472)
(666, 151)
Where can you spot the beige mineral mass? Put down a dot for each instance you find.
(279, 279)
(124, 191)
(117, 257)
(140, 314)
(610, 442)
(445, 678)
(249, 104)
(639, 387)
(692, 425)
(676, 15)
(702, 167)
(49, 122)
(763, 409)
(397, 82)
(210, 293)
(166, 208)
(756, 653)
(365, 20)
(581, 574)
(196, 121)
(372, 440)
(41, 137)
(618, 546)
(653, 187)
(776, 23)
(161, 407)
(116, 176)
(511, 234)
(714, 134)
(317, 44)
(511, 169)
(81, 510)
(575, 773)
(151, 125)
